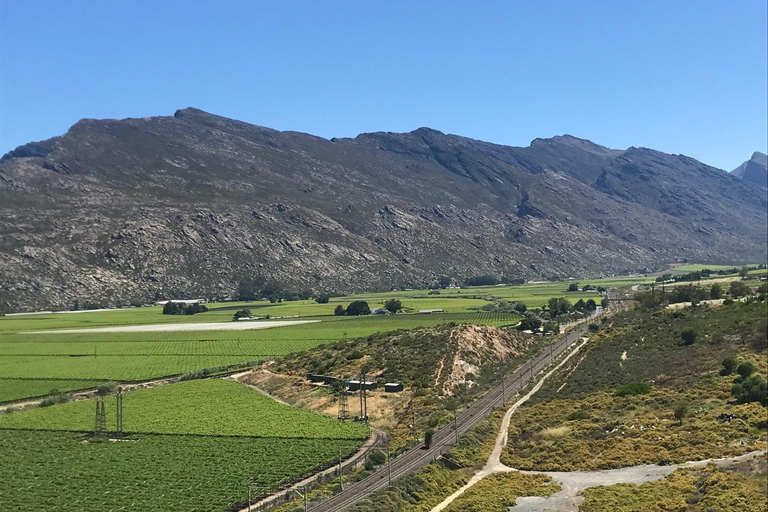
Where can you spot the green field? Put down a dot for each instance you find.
(65, 472)
(15, 389)
(82, 360)
(200, 407)
(131, 357)
(187, 446)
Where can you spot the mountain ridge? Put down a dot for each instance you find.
(197, 204)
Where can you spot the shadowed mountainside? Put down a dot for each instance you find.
(194, 204)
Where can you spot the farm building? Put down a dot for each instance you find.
(430, 311)
(379, 311)
(393, 387)
(354, 385)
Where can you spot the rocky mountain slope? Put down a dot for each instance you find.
(194, 204)
(754, 170)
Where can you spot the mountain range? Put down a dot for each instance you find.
(194, 204)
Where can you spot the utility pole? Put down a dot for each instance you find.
(389, 466)
(503, 392)
(455, 425)
(304, 496)
(341, 475)
(119, 416)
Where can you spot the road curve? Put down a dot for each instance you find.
(444, 438)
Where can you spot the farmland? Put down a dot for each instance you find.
(188, 446)
(130, 357)
(148, 473)
(199, 407)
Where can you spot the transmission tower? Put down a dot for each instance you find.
(119, 416)
(101, 417)
(343, 404)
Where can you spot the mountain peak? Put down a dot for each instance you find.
(754, 170)
(576, 142)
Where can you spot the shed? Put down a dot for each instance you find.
(430, 311)
(354, 385)
(393, 387)
(314, 378)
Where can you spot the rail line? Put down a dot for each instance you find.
(418, 457)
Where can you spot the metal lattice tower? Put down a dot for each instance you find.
(100, 425)
(119, 416)
(343, 405)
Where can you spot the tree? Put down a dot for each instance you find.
(529, 323)
(428, 435)
(729, 365)
(745, 369)
(573, 287)
(552, 305)
(738, 289)
(688, 337)
(563, 305)
(444, 281)
(752, 389)
(322, 299)
(604, 302)
(520, 307)
(716, 291)
(243, 313)
(744, 271)
(180, 308)
(681, 410)
(580, 305)
(357, 308)
(587, 287)
(591, 305)
(393, 305)
(339, 311)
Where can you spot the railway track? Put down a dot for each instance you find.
(445, 437)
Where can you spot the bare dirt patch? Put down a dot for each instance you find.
(212, 326)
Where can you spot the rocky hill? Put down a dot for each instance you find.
(118, 211)
(754, 170)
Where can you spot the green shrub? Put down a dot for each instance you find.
(745, 369)
(428, 435)
(378, 457)
(106, 389)
(729, 365)
(243, 313)
(54, 397)
(752, 389)
(633, 388)
(688, 337)
(578, 415)
(355, 354)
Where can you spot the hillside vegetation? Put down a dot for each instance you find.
(441, 369)
(644, 393)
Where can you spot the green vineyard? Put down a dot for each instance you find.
(130, 357)
(149, 473)
(200, 407)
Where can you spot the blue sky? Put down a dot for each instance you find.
(686, 77)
